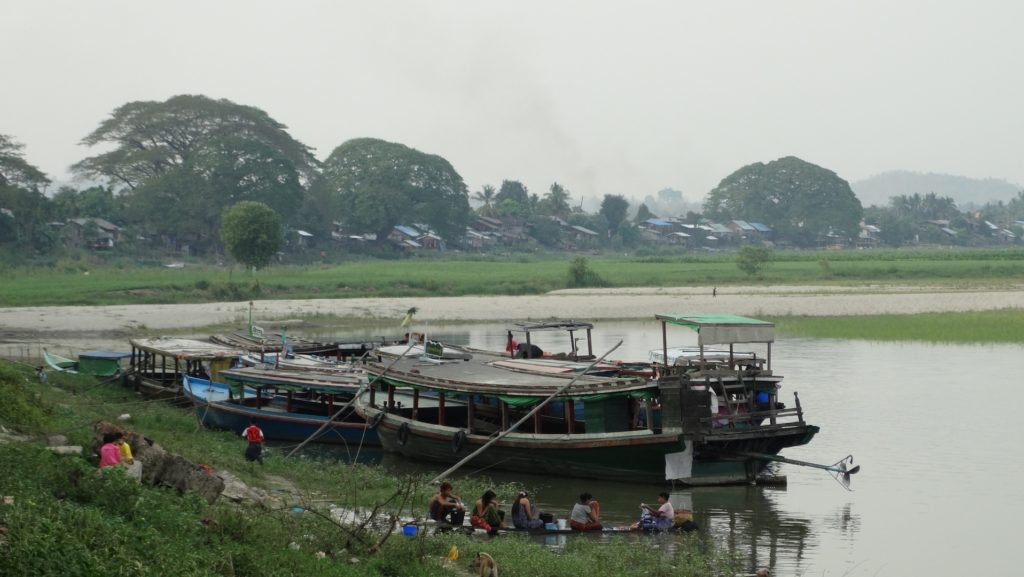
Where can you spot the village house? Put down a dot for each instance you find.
(93, 233)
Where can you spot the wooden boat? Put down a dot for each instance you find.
(295, 416)
(298, 363)
(158, 364)
(599, 427)
(278, 342)
(96, 363)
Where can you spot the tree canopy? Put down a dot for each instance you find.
(613, 209)
(26, 208)
(251, 232)
(199, 155)
(381, 184)
(800, 200)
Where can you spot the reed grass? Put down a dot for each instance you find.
(998, 326)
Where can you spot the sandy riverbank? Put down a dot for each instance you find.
(49, 323)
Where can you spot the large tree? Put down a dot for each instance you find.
(381, 184)
(252, 233)
(15, 170)
(25, 208)
(198, 155)
(613, 209)
(800, 200)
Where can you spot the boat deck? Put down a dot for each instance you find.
(479, 377)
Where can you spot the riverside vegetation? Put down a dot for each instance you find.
(86, 281)
(68, 519)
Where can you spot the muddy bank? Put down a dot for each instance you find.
(60, 324)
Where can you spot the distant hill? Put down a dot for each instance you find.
(967, 192)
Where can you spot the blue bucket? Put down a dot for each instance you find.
(409, 530)
(551, 526)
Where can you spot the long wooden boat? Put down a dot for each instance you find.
(635, 428)
(158, 364)
(96, 363)
(293, 417)
(292, 344)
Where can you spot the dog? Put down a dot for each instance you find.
(486, 565)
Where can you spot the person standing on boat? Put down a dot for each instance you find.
(110, 455)
(524, 513)
(659, 519)
(512, 346)
(586, 515)
(486, 514)
(447, 508)
(253, 434)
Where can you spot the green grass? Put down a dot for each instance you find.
(456, 275)
(999, 326)
(69, 519)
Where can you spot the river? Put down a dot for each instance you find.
(932, 426)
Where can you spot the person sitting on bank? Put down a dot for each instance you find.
(586, 514)
(110, 454)
(486, 514)
(524, 513)
(123, 448)
(447, 508)
(660, 518)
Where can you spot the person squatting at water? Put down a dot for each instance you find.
(660, 518)
(447, 508)
(486, 514)
(253, 434)
(524, 513)
(586, 514)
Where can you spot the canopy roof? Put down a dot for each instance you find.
(721, 329)
(517, 387)
(186, 349)
(283, 379)
(556, 325)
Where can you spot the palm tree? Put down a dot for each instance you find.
(486, 196)
(558, 199)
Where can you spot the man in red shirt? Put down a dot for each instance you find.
(253, 434)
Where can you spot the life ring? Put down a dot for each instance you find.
(376, 421)
(458, 439)
(403, 434)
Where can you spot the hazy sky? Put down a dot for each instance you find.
(622, 98)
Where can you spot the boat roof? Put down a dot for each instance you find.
(187, 349)
(555, 325)
(723, 329)
(104, 355)
(258, 377)
(478, 377)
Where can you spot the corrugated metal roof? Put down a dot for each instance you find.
(407, 230)
(760, 227)
(584, 230)
(657, 222)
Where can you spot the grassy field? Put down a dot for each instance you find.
(1005, 326)
(66, 519)
(84, 283)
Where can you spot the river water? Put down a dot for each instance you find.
(932, 425)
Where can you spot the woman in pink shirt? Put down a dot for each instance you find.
(110, 453)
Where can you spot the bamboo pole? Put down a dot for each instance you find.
(526, 417)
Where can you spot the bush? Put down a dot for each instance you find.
(581, 275)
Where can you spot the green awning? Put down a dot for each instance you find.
(721, 329)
